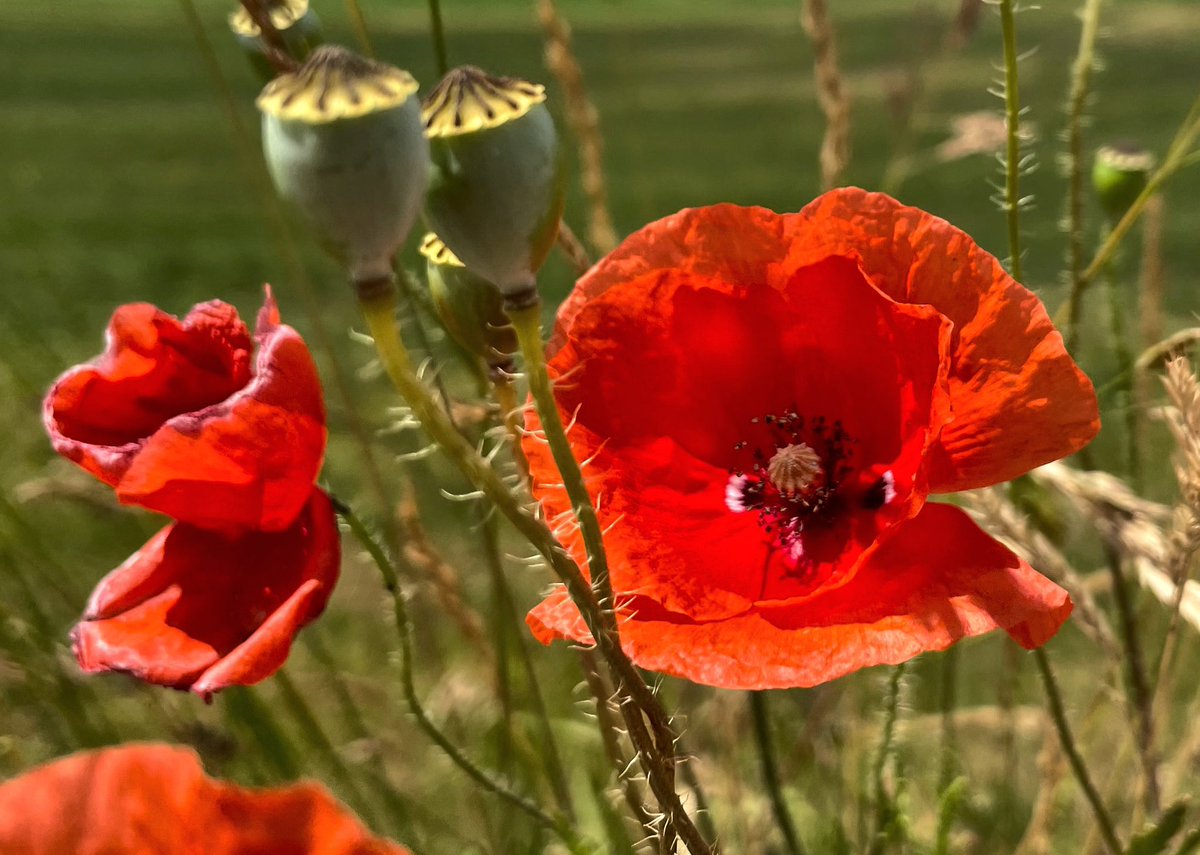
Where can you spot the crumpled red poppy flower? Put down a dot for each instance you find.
(201, 610)
(766, 402)
(155, 799)
(178, 418)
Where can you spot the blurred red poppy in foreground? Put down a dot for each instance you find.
(768, 400)
(156, 799)
(200, 610)
(178, 418)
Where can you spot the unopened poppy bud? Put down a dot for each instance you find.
(293, 20)
(1119, 175)
(496, 194)
(344, 143)
(470, 307)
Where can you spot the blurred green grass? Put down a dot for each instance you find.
(121, 180)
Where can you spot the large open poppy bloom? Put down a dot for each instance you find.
(201, 610)
(153, 799)
(179, 418)
(767, 401)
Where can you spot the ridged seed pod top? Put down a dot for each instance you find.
(344, 143)
(496, 193)
(469, 99)
(336, 84)
(1119, 175)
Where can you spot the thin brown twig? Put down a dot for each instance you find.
(573, 248)
(831, 93)
(584, 119)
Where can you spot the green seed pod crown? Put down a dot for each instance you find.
(1119, 175)
(293, 19)
(496, 194)
(470, 307)
(344, 143)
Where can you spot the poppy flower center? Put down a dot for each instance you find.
(790, 477)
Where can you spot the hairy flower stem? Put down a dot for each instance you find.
(761, 719)
(378, 308)
(391, 580)
(610, 735)
(1058, 714)
(657, 755)
(505, 393)
(1081, 73)
(1012, 154)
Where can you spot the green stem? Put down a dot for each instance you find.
(360, 27)
(760, 716)
(438, 34)
(507, 618)
(314, 733)
(885, 808)
(948, 700)
(1012, 159)
(1058, 714)
(244, 706)
(1081, 72)
(391, 580)
(1119, 344)
(392, 800)
(527, 322)
(378, 309)
(1135, 677)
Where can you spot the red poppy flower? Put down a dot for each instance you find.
(205, 610)
(177, 417)
(154, 799)
(766, 402)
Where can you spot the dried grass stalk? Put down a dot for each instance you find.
(831, 93)
(584, 119)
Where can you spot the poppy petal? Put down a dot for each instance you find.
(231, 455)
(1019, 399)
(137, 799)
(204, 610)
(908, 597)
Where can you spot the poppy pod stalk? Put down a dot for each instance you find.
(468, 305)
(295, 22)
(343, 142)
(496, 193)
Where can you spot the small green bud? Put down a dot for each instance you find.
(496, 194)
(470, 307)
(293, 19)
(1119, 175)
(344, 143)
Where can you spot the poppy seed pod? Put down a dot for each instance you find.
(1119, 175)
(293, 20)
(343, 142)
(496, 193)
(470, 307)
